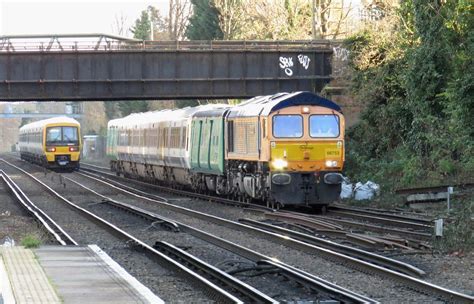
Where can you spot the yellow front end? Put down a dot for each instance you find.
(62, 145)
(63, 150)
(307, 156)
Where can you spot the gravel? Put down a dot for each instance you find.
(451, 272)
(374, 286)
(16, 223)
(160, 280)
(207, 252)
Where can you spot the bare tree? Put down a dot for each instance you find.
(118, 27)
(329, 15)
(231, 16)
(178, 18)
(159, 24)
(264, 19)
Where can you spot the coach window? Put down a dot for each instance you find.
(287, 126)
(324, 126)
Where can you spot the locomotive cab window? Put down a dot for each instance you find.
(324, 126)
(62, 136)
(287, 126)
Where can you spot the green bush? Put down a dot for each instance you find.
(30, 241)
(458, 232)
(415, 83)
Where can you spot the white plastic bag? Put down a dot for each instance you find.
(366, 191)
(9, 242)
(346, 190)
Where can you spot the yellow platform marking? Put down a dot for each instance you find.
(27, 278)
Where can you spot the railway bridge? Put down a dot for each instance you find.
(105, 67)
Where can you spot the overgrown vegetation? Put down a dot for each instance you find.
(415, 79)
(30, 241)
(416, 82)
(458, 234)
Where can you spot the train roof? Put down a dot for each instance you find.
(138, 119)
(53, 120)
(264, 105)
(260, 105)
(214, 112)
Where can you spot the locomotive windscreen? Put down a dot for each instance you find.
(287, 126)
(56, 136)
(324, 126)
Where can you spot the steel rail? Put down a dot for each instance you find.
(217, 292)
(351, 251)
(95, 166)
(381, 220)
(51, 226)
(363, 240)
(242, 289)
(317, 249)
(165, 222)
(112, 178)
(306, 279)
(320, 284)
(383, 215)
(341, 253)
(413, 282)
(302, 219)
(407, 233)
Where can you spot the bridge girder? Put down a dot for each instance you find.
(133, 70)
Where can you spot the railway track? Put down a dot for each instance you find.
(404, 237)
(122, 181)
(244, 292)
(325, 251)
(217, 293)
(348, 222)
(407, 280)
(411, 237)
(388, 219)
(58, 234)
(313, 226)
(371, 216)
(388, 214)
(304, 279)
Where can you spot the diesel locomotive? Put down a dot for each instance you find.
(284, 149)
(53, 143)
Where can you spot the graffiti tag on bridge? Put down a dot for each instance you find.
(286, 63)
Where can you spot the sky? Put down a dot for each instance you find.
(22, 17)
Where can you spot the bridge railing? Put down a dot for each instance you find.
(9, 45)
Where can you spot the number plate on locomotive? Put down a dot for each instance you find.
(333, 153)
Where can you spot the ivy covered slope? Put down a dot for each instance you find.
(415, 81)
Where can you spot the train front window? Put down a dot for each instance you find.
(287, 126)
(62, 136)
(324, 126)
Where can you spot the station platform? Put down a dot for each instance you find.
(67, 274)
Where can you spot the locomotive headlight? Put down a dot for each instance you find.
(279, 164)
(50, 149)
(73, 149)
(331, 163)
